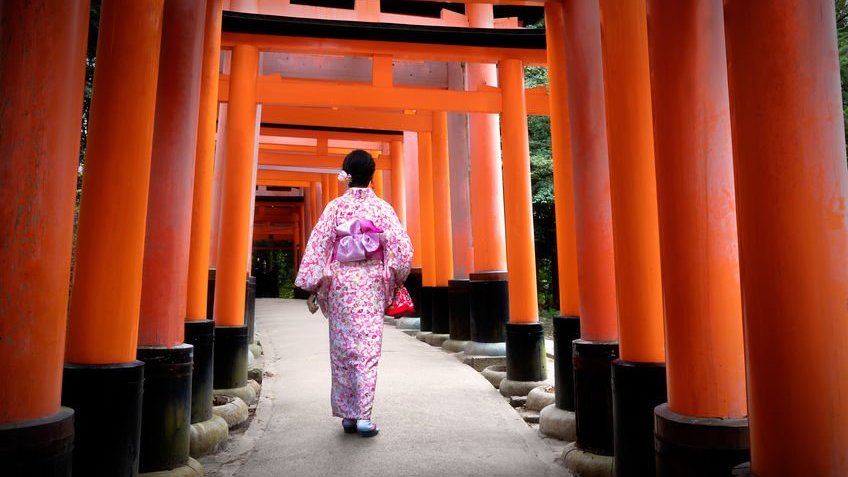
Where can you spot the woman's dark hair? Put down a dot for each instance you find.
(360, 165)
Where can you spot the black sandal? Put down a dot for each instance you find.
(349, 428)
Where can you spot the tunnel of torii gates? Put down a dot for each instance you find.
(677, 127)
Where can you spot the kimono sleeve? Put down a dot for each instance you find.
(318, 249)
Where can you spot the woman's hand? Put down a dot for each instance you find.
(312, 303)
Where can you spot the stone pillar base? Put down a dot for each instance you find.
(454, 346)
(207, 436)
(422, 335)
(191, 469)
(479, 363)
(558, 423)
(437, 339)
(247, 393)
(41, 447)
(495, 374)
(233, 411)
(694, 446)
(540, 398)
(510, 388)
(409, 323)
(582, 463)
(474, 348)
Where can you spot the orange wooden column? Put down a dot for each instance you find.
(167, 408)
(791, 190)
(525, 341)
(488, 283)
(569, 295)
(487, 218)
(335, 187)
(700, 266)
(377, 183)
(106, 292)
(235, 210)
(42, 53)
(593, 229)
(166, 251)
(442, 230)
(428, 232)
(398, 184)
(325, 189)
(639, 383)
(518, 199)
(441, 207)
(201, 218)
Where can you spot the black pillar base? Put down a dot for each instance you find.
(426, 308)
(106, 400)
(525, 352)
(413, 286)
(41, 447)
(201, 335)
(230, 368)
(593, 395)
(441, 310)
(165, 429)
(637, 388)
(566, 330)
(489, 303)
(459, 304)
(696, 446)
(250, 307)
(210, 295)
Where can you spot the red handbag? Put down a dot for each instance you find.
(401, 303)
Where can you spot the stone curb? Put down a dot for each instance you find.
(495, 374)
(207, 436)
(191, 469)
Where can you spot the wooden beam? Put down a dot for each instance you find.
(273, 89)
(330, 135)
(419, 121)
(397, 50)
(313, 150)
(284, 183)
(263, 175)
(271, 158)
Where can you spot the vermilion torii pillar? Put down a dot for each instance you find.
(697, 211)
(488, 283)
(442, 236)
(106, 291)
(377, 183)
(558, 420)
(231, 334)
(168, 361)
(525, 340)
(791, 191)
(638, 377)
(199, 327)
(398, 184)
(428, 233)
(598, 346)
(42, 58)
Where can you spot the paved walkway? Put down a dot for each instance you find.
(438, 417)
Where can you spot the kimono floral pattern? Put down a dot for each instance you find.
(354, 296)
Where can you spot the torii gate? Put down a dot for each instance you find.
(654, 216)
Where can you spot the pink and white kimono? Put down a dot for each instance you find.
(356, 257)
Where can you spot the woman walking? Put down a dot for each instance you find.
(356, 258)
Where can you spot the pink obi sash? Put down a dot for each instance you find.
(358, 239)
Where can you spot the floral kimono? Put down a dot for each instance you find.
(356, 257)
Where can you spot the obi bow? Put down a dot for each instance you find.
(358, 239)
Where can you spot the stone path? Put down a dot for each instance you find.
(438, 417)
